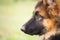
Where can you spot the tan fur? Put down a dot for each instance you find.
(54, 11)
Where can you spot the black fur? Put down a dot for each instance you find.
(55, 37)
(34, 25)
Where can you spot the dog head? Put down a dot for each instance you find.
(44, 18)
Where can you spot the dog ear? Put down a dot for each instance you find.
(53, 8)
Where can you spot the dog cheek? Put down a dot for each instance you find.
(48, 24)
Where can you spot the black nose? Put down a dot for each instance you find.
(22, 28)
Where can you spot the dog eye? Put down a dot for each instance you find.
(36, 13)
(38, 16)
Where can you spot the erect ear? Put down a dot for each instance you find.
(53, 8)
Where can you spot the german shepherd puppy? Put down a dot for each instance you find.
(45, 21)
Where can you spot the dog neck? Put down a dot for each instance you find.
(55, 37)
(51, 35)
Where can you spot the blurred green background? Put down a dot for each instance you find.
(13, 14)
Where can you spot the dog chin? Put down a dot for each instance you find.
(35, 33)
(32, 34)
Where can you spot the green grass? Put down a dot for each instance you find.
(12, 17)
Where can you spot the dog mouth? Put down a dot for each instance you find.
(34, 32)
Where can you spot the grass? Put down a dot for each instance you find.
(12, 17)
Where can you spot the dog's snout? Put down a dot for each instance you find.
(23, 28)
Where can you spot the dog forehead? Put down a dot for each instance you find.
(40, 10)
(39, 4)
